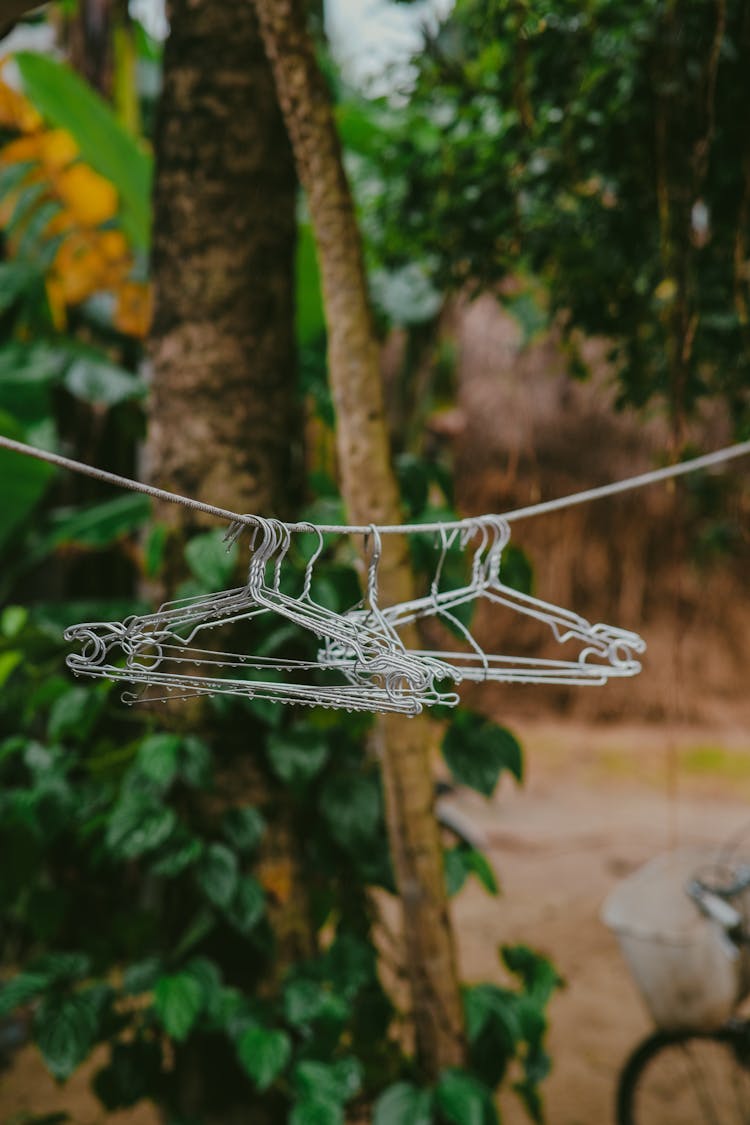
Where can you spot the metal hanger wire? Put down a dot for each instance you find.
(161, 649)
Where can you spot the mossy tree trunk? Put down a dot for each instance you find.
(371, 495)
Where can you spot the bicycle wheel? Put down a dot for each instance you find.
(688, 1078)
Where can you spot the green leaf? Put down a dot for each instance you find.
(180, 854)
(198, 928)
(9, 661)
(155, 549)
(332, 1083)
(102, 383)
(208, 976)
(352, 806)
(157, 757)
(403, 1104)
(210, 560)
(309, 303)
(24, 206)
(477, 751)
(248, 905)
(63, 967)
(15, 278)
(539, 975)
(134, 1072)
(98, 525)
(243, 828)
(297, 755)
(462, 861)
(516, 570)
(69, 103)
(73, 714)
(30, 362)
(24, 481)
(138, 825)
(218, 874)
(489, 1004)
(264, 1053)
(178, 1000)
(13, 620)
(27, 371)
(463, 1100)
(456, 869)
(19, 990)
(13, 175)
(481, 867)
(413, 481)
(66, 1028)
(195, 762)
(313, 1112)
(306, 1001)
(141, 976)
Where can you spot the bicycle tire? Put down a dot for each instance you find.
(688, 1077)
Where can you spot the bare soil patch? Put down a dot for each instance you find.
(598, 802)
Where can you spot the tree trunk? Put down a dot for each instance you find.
(371, 495)
(223, 354)
(222, 343)
(88, 34)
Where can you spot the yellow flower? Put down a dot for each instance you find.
(22, 149)
(133, 309)
(88, 196)
(16, 112)
(57, 149)
(78, 267)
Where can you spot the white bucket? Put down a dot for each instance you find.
(688, 971)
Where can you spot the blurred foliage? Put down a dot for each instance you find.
(599, 147)
(136, 911)
(60, 215)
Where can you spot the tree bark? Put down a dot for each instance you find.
(222, 343)
(371, 495)
(223, 414)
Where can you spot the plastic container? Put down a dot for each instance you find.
(688, 971)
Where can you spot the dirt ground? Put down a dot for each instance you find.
(598, 802)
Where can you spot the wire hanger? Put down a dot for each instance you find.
(606, 651)
(161, 650)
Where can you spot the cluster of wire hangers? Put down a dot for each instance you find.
(361, 663)
(370, 666)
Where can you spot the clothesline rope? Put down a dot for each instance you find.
(706, 461)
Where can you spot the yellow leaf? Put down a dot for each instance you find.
(60, 223)
(87, 195)
(22, 149)
(275, 877)
(78, 267)
(57, 149)
(113, 245)
(666, 290)
(16, 112)
(133, 309)
(9, 201)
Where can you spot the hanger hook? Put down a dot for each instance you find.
(373, 564)
(261, 552)
(285, 538)
(313, 558)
